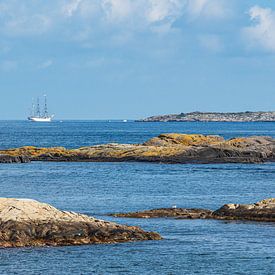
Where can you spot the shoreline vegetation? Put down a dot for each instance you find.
(165, 148)
(213, 117)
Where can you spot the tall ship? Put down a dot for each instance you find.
(38, 116)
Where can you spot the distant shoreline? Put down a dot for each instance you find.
(213, 117)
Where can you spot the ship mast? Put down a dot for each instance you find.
(38, 114)
(32, 109)
(45, 107)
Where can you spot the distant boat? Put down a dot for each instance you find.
(125, 120)
(37, 116)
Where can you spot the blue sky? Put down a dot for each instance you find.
(103, 59)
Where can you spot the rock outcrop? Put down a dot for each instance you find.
(166, 148)
(180, 213)
(260, 211)
(31, 223)
(13, 159)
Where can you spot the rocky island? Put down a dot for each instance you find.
(261, 211)
(213, 117)
(166, 148)
(31, 223)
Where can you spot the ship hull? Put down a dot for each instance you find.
(40, 119)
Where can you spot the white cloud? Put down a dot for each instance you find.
(118, 10)
(80, 18)
(70, 8)
(161, 14)
(164, 9)
(196, 7)
(208, 8)
(143, 14)
(262, 32)
(86, 9)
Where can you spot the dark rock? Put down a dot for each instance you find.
(260, 211)
(13, 159)
(181, 213)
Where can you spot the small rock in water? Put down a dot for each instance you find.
(260, 211)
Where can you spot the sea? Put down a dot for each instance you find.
(98, 189)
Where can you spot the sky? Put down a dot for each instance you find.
(129, 59)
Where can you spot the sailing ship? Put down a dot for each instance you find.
(37, 116)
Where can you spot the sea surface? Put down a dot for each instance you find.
(189, 246)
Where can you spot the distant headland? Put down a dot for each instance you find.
(213, 116)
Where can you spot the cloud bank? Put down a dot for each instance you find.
(19, 18)
(262, 33)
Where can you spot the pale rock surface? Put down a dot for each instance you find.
(25, 222)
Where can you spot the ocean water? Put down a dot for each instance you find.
(189, 246)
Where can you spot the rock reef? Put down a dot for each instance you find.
(166, 148)
(31, 223)
(181, 213)
(13, 159)
(213, 117)
(260, 211)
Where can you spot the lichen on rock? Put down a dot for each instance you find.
(166, 148)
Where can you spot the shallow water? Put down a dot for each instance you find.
(189, 246)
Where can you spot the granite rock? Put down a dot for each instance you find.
(26, 222)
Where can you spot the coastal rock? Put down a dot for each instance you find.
(31, 223)
(13, 159)
(181, 213)
(260, 211)
(183, 139)
(166, 148)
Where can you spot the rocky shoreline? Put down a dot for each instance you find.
(166, 148)
(25, 222)
(213, 117)
(14, 159)
(261, 211)
(30, 223)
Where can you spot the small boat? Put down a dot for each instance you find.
(36, 115)
(125, 120)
